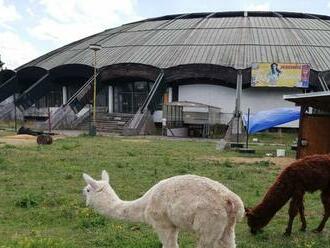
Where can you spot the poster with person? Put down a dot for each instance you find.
(280, 75)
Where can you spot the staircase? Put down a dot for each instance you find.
(8, 88)
(6, 110)
(37, 90)
(83, 96)
(107, 122)
(66, 114)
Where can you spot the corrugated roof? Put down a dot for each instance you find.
(318, 100)
(227, 38)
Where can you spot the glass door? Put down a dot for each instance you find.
(129, 97)
(125, 103)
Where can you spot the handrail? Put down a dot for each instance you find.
(6, 110)
(143, 112)
(152, 92)
(81, 89)
(60, 113)
(21, 102)
(5, 84)
(323, 82)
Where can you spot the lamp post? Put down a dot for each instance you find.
(92, 130)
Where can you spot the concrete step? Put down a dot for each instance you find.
(106, 122)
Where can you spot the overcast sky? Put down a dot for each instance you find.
(30, 28)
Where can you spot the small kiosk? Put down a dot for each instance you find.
(314, 128)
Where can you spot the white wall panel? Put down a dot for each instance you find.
(257, 99)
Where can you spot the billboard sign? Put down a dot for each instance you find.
(280, 75)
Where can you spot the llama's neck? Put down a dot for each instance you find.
(110, 205)
(274, 200)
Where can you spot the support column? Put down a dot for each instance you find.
(64, 94)
(170, 94)
(237, 124)
(235, 130)
(238, 93)
(110, 98)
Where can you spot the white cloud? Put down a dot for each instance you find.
(15, 51)
(259, 7)
(8, 13)
(69, 20)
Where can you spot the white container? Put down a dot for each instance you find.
(280, 153)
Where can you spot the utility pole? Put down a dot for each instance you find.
(238, 104)
(95, 48)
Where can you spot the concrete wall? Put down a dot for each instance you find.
(257, 99)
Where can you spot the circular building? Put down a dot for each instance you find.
(196, 57)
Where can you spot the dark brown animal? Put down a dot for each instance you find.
(44, 139)
(305, 175)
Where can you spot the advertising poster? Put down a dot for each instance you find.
(280, 75)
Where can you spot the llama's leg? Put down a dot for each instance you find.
(168, 236)
(302, 217)
(210, 230)
(207, 240)
(325, 197)
(295, 204)
(226, 241)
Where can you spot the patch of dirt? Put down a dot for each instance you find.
(136, 140)
(23, 139)
(278, 161)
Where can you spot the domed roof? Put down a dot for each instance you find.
(230, 39)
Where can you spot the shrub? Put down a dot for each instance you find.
(28, 201)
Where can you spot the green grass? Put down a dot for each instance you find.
(41, 204)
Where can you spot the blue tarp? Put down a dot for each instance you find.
(270, 118)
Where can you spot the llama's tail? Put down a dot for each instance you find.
(235, 208)
(235, 212)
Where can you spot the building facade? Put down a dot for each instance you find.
(195, 57)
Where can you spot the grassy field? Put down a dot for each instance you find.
(41, 204)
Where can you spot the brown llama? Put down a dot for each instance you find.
(305, 175)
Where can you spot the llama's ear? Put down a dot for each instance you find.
(89, 180)
(105, 176)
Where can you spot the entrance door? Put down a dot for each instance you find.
(125, 102)
(129, 97)
(139, 98)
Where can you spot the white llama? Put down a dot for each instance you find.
(186, 202)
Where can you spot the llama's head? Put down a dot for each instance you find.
(95, 190)
(254, 221)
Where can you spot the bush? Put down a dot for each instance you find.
(27, 201)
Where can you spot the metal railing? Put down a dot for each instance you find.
(80, 94)
(33, 93)
(8, 88)
(69, 107)
(148, 106)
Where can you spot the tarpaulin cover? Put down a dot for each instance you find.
(270, 118)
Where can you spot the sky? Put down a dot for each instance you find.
(31, 28)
